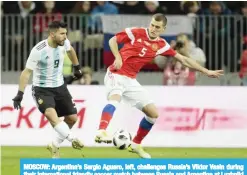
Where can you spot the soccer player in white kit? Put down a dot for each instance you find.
(48, 88)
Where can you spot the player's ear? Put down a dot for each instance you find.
(164, 28)
(52, 34)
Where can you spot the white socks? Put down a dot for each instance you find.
(63, 132)
(57, 139)
(150, 120)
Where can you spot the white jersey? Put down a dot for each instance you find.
(47, 64)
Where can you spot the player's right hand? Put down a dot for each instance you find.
(118, 63)
(17, 100)
(215, 73)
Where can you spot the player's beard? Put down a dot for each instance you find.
(60, 43)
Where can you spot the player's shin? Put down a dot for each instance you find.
(58, 138)
(64, 131)
(107, 114)
(145, 126)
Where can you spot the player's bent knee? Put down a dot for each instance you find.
(151, 111)
(71, 119)
(115, 97)
(51, 115)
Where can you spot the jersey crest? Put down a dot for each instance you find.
(155, 47)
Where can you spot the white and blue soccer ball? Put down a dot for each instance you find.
(122, 139)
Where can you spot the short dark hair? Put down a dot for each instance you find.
(55, 25)
(160, 17)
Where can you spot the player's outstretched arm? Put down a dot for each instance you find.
(24, 78)
(194, 65)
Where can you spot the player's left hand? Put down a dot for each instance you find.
(77, 72)
(17, 100)
(214, 73)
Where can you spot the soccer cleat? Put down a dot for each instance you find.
(103, 137)
(77, 144)
(54, 151)
(136, 148)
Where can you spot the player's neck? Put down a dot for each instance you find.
(51, 43)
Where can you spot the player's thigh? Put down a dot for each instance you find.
(65, 105)
(115, 85)
(137, 96)
(44, 98)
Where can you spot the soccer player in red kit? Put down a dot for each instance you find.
(141, 46)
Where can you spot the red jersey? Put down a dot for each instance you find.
(138, 50)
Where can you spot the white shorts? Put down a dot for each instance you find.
(128, 88)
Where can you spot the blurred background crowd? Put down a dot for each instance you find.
(219, 39)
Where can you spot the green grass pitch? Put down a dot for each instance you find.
(10, 156)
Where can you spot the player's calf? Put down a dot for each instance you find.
(63, 129)
(107, 114)
(145, 126)
(146, 123)
(58, 138)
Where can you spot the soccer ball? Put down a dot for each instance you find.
(122, 139)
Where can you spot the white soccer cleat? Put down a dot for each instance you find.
(54, 151)
(77, 144)
(103, 137)
(137, 148)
